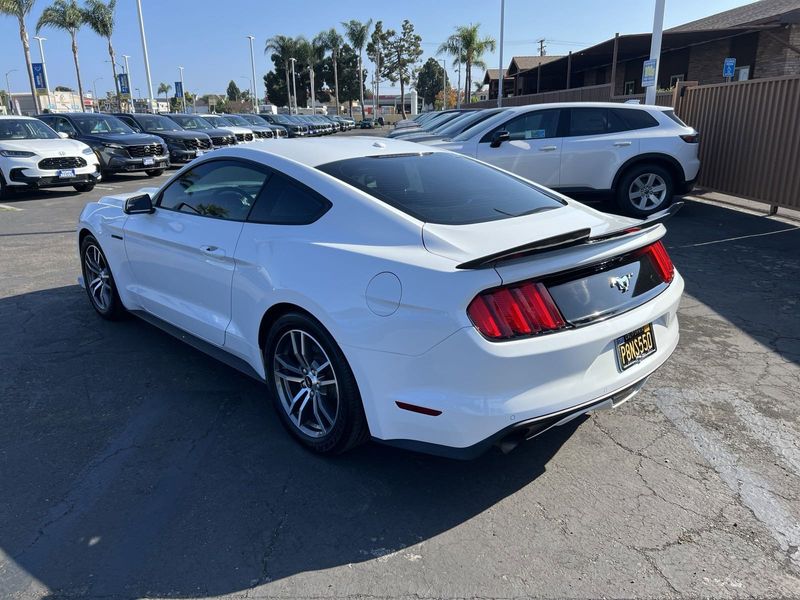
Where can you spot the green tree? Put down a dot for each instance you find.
(67, 16)
(357, 33)
(350, 82)
(99, 16)
(332, 42)
(233, 92)
(467, 47)
(282, 49)
(164, 88)
(430, 80)
(375, 52)
(20, 9)
(403, 49)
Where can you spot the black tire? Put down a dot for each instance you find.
(349, 427)
(3, 189)
(154, 172)
(112, 309)
(83, 187)
(653, 198)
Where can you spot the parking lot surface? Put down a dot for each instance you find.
(133, 466)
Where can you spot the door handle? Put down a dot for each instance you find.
(622, 144)
(548, 148)
(212, 251)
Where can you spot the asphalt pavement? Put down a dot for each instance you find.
(134, 466)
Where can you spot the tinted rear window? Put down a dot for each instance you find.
(635, 118)
(671, 114)
(441, 187)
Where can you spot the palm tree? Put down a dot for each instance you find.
(99, 16)
(67, 16)
(20, 9)
(357, 33)
(164, 88)
(332, 41)
(285, 47)
(468, 47)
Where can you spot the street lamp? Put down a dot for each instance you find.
(41, 39)
(444, 84)
(94, 90)
(146, 58)
(500, 70)
(8, 89)
(294, 88)
(130, 83)
(183, 90)
(253, 67)
(313, 104)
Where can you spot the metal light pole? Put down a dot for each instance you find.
(458, 89)
(500, 71)
(146, 59)
(253, 67)
(183, 90)
(41, 39)
(294, 88)
(130, 83)
(313, 104)
(8, 90)
(655, 50)
(444, 84)
(94, 90)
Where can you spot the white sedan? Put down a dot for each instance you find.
(379, 289)
(33, 156)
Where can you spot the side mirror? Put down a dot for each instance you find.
(63, 135)
(139, 205)
(498, 137)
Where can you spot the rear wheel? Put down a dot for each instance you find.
(154, 172)
(312, 386)
(83, 187)
(98, 280)
(645, 189)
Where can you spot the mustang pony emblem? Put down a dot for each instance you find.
(622, 283)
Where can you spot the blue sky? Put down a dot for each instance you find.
(210, 41)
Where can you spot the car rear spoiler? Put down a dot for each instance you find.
(572, 238)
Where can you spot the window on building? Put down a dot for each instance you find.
(630, 87)
(674, 79)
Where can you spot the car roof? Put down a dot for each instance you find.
(17, 117)
(315, 152)
(586, 105)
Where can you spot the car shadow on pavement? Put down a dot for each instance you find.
(744, 267)
(136, 466)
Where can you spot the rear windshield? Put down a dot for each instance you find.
(441, 187)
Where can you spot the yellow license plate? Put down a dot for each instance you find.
(635, 346)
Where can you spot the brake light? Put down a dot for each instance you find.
(662, 261)
(691, 138)
(517, 310)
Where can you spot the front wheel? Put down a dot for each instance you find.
(645, 189)
(154, 172)
(98, 280)
(313, 389)
(83, 187)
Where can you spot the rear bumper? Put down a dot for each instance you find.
(483, 388)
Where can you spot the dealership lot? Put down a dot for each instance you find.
(134, 466)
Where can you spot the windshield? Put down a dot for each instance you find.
(236, 120)
(25, 129)
(217, 121)
(442, 187)
(465, 122)
(156, 123)
(99, 124)
(192, 122)
(282, 119)
(489, 123)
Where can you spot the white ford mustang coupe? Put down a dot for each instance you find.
(387, 290)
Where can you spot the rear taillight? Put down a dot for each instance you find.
(661, 260)
(517, 310)
(691, 138)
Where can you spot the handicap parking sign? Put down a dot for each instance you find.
(729, 67)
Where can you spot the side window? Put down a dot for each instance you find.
(284, 202)
(635, 118)
(129, 122)
(534, 125)
(587, 121)
(222, 189)
(61, 125)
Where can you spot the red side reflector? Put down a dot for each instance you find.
(662, 261)
(517, 310)
(423, 410)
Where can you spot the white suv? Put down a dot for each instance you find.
(34, 156)
(642, 154)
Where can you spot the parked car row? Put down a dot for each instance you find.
(310, 125)
(641, 155)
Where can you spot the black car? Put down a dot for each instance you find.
(118, 148)
(183, 145)
(279, 131)
(294, 128)
(219, 137)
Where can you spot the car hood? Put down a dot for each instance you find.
(236, 130)
(125, 139)
(212, 132)
(179, 135)
(54, 147)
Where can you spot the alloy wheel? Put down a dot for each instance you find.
(647, 191)
(98, 278)
(306, 383)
